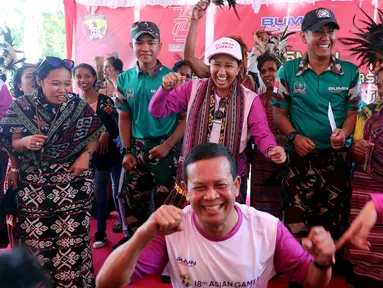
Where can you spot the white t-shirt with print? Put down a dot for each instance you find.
(244, 258)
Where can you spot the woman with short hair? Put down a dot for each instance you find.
(219, 110)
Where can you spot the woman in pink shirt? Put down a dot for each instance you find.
(219, 110)
(5, 99)
(5, 102)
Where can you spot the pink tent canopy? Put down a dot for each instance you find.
(99, 27)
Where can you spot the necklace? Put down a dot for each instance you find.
(39, 126)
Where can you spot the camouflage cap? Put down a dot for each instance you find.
(145, 27)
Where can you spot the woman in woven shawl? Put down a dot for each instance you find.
(202, 70)
(53, 134)
(266, 175)
(219, 110)
(367, 153)
(265, 180)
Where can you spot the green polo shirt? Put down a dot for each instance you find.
(307, 95)
(138, 89)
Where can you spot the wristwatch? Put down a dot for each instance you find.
(125, 150)
(292, 136)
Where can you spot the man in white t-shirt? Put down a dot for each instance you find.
(216, 242)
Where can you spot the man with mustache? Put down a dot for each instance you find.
(216, 242)
(317, 187)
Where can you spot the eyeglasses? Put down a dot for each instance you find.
(57, 62)
(220, 113)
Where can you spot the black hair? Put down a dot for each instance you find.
(267, 57)
(86, 66)
(209, 151)
(255, 77)
(3, 77)
(34, 80)
(17, 78)
(178, 65)
(116, 63)
(18, 268)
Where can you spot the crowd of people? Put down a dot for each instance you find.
(179, 146)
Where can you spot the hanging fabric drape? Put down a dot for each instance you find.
(256, 4)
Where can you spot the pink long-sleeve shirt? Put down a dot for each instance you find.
(378, 201)
(5, 99)
(164, 103)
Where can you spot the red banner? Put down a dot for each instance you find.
(173, 23)
(106, 31)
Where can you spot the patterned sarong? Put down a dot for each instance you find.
(53, 205)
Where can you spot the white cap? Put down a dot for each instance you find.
(226, 46)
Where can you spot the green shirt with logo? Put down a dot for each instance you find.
(307, 96)
(137, 89)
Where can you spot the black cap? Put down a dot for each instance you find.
(316, 19)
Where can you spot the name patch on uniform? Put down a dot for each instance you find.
(337, 89)
(299, 87)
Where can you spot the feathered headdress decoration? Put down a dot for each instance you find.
(220, 3)
(8, 54)
(368, 43)
(275, 45)
(261, 39)
(278, 45)
(113, 54)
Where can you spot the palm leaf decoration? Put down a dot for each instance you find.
(367, 45)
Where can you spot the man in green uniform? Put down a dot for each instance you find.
(151, 146)
(316, 101)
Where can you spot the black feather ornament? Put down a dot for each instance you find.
(368, 43)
